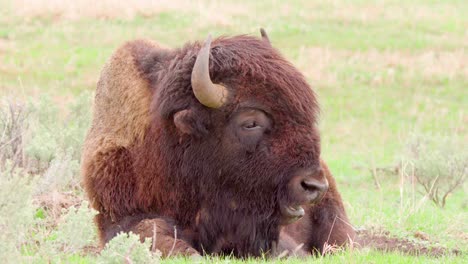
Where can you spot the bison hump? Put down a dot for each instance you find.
(121, 106)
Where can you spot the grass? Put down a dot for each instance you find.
(383, 71)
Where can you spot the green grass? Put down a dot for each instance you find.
(346, 257)
(382, 70)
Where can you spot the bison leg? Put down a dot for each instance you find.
(287, 246)
(110, 182)
(111, 186)
(164, 235)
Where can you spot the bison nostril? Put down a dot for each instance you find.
(313, 185)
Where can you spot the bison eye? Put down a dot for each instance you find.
(252, 120)
(250, 125)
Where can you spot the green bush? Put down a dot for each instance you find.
(16, 211)
(76, 230)
(62, 173)
(54, 130)
(13, 117)
(127, 248)
(440, 164)
(28, 232)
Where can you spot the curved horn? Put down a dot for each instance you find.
(264, 36)
(206, 92)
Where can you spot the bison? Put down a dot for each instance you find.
(213, 148)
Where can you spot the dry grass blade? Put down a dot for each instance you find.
(153, 245)
(330, 248)
(128, 260)
(13, 124)
(283, 254)
(299, 247)
(175, 241)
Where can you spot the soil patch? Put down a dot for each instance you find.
(383, 241)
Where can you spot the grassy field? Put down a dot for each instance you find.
(389, 75)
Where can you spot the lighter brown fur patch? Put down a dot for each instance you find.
(121, 105)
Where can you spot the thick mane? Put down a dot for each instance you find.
(240, 60)
(267, 75)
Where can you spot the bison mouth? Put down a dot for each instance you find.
(291, 213)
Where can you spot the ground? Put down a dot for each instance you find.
(386, 72)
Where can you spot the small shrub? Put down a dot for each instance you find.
(62, 173)
(440, 165)
(33, 134)
(25, 229)
(39, 137)
(54, 130)
(127, 248)
(13, 124)
(17, 212)
(76, 229)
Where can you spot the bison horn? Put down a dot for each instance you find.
(265, 36)
(209, 94)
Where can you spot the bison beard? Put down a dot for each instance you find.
(229, 232)
(217, 140)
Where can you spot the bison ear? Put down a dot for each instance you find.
(187, 123)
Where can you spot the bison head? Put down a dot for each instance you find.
(234, 132)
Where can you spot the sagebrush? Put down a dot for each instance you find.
(439, 163)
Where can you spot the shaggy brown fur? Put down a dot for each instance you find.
(156, 159)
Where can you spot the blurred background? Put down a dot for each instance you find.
(392, 81)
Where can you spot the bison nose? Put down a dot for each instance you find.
(314, 189)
